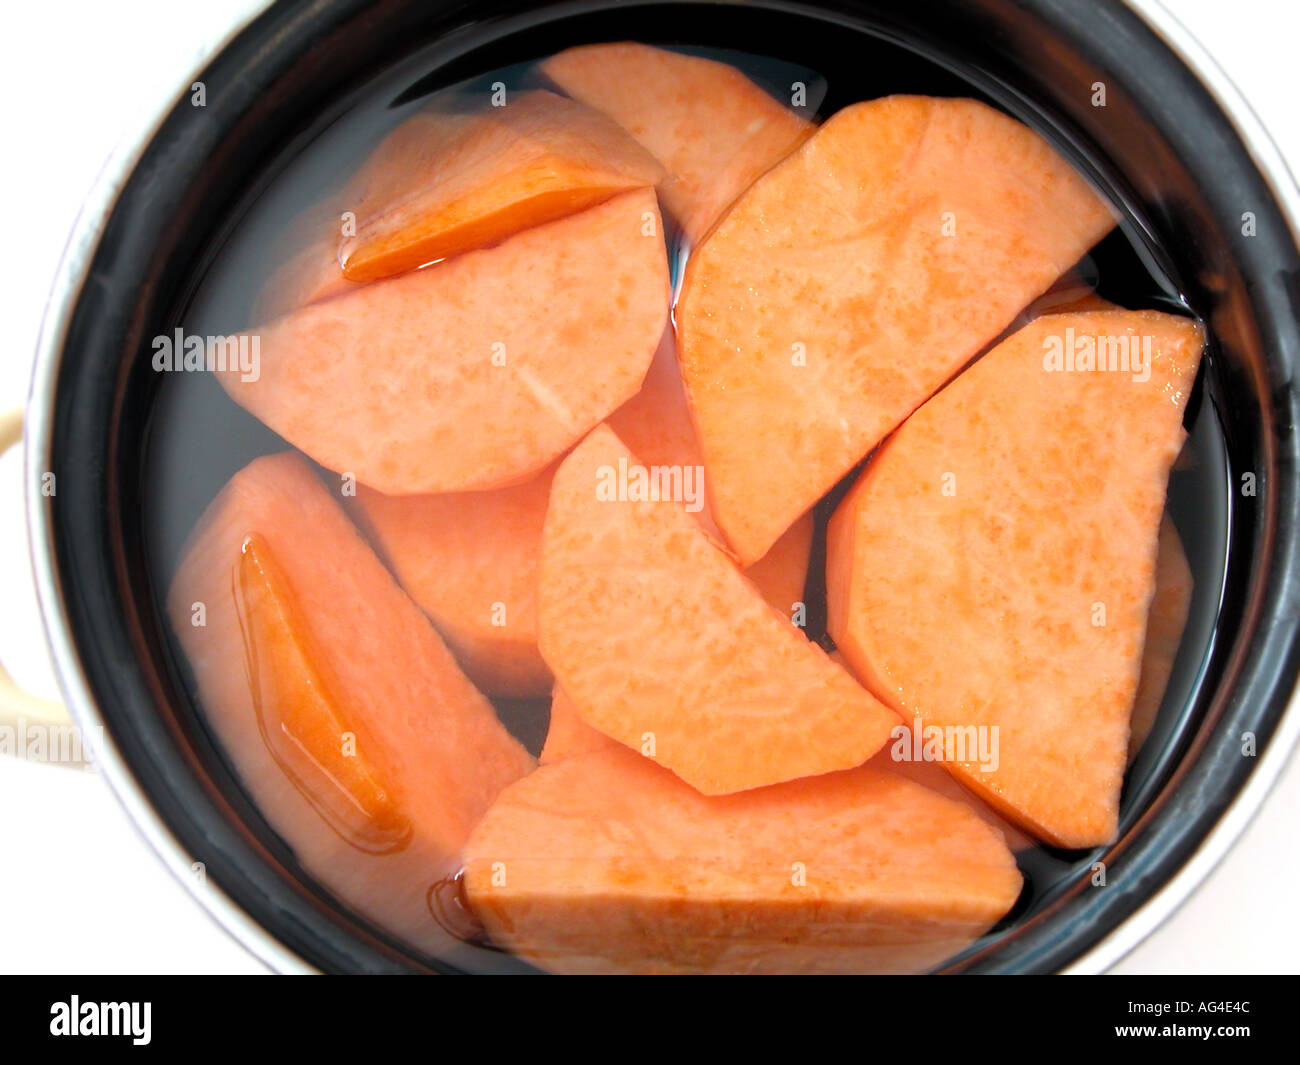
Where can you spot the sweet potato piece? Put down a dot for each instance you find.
(295, 697)
(446, 182)
(607, 863)
(891, 758)
(1165, 624)
(781, 574)
(469, 559)
(779, 577)
(855, 278)
(662, 643)
(479, 371)
(362, 744)
(712, 128)
(994, 564)
(443, 183)
(656, 426)
(568, 734)
(936, 778)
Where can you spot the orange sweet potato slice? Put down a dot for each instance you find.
(1165, 623)
(343, 713)
(712, 128)
(936, 778)
(781, 574)
(469, 559)
(477, 372)
(994, 564)
(663, 645)
(656, 426)
(445, 183)
(568, 735)
(855, 278)
(606, 863)
(295, 697)
(899, 755)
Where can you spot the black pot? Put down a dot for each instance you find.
(1174, 144)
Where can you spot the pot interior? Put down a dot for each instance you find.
(193, 238)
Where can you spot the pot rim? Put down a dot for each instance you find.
(260, 941)
(37, 443)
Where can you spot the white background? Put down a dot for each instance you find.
(79, 892)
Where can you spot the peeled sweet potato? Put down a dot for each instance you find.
(1165, 623)
(994, 564)
(664, 645)
(477, 372)
(343, 713)
(712, 128)
(469, 559)
(855, 278)
(656, 426)
(442, 184)
(607, 863)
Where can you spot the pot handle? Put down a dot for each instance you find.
(20, 710)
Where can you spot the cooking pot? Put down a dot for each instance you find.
(1204, 193)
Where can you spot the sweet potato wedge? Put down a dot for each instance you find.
(477, 372)
(899, 756)
(936, 778)
(1165, 623)
(444, 183)
(663, 645)
(855, 278)
(713, 129)
(342, 711)
(606, 863)
(780, 575)
(994, 564)
(656, 426)
(469, 559)
(567, 734)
